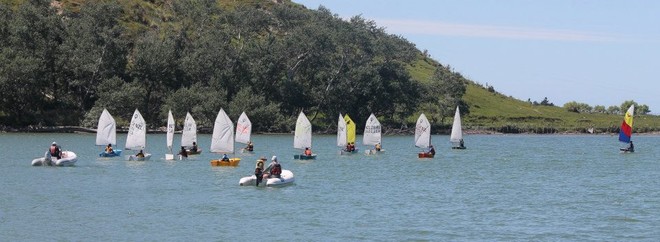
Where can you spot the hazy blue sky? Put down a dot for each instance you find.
(593, 51)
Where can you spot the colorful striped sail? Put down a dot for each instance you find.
(626, 126)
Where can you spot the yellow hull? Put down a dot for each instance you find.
(231, 162)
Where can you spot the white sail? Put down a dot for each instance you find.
(189, 134)
(243, 129)
(222, 140)
(456, 129)
(303, 135)
(170, 130)
(422, 132)
(137, 133)
(341, 132)
(371, 131)
(106, 133)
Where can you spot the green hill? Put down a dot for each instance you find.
(271, 57)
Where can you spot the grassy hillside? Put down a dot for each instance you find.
(492, 111)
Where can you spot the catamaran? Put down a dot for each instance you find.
(372, 135)
(625, 133)
(106, 134)
(137, 137)
(222, 140)
(302, 138)
(423, 136)
(456, 137)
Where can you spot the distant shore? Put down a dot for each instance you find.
(79, 129)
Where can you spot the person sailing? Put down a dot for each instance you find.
(431, 150)
(308, 152)
(194, 148)
(109, 150)
(631, 147)
(183, 153)
(461, 144)
(377, 147)
(250, 146)
(140, 154)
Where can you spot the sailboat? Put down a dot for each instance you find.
(456, 137)
(189, 136)
(243, 131)
(302, 138)
(349, 135)
(106, 134)
(222, 140)
(137, 137)
(423, 136)
(170, 136)
(625, 133)
(341, 134)
(372, 136)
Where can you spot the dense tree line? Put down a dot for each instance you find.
(62, 67)
(578, 107)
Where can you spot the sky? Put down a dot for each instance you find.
(599, 52)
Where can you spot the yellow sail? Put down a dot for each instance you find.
(350, 129)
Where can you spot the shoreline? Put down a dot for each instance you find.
(79, 129)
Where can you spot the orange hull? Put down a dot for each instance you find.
(424, 155)
(231, 162)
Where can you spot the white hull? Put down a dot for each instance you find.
(133, 157)
(285, 178)
(373, 152)
(69, 158)
(169, 156)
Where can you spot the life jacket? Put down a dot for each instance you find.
(54, 150)
(276, 170)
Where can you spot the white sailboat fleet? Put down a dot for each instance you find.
(456, 137)
(137, 138)
(106, 134)
(222, 140)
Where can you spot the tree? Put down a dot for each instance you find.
(613, 109)
(626, 104)
(600, 109)
(642, 109)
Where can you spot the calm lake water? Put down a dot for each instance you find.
(507, 188)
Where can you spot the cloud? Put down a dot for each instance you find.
(491, 31)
